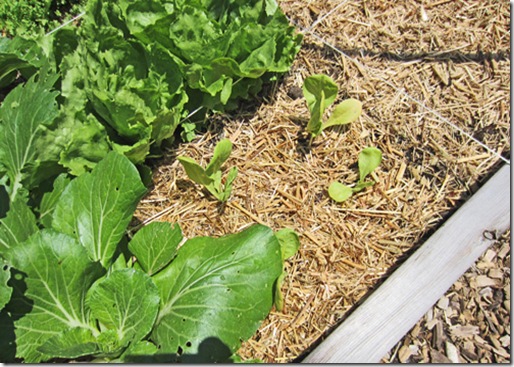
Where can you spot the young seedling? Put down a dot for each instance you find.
(320, 91)
(210, 177)
(369, 160)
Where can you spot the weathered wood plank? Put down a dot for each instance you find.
(391, 311)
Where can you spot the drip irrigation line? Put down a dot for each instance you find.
(398, 90)
(66, 23)
(310, 31)
(313, 25)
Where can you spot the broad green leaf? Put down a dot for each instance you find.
(339, 192)
(71, 343)
(125, 301)
(369, 160)
(5, 290)
(97, 207)
(50, 199)
(57, 273)
(362, 185)
(155, 245)
(222, 151)
(217, 287)
(194, 171)
(344, 113)
(24, 114)
(17, 226)
(289, 242)
(289, 245)
(317, 87)
(231, 176)
(140, 352)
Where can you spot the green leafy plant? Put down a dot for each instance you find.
(72, 288)
(31, 17)
(210, 176)
(320, 91)
(131, 72)
(369, 159)
(91, 102)
(289, 246)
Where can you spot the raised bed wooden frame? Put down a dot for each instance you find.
(394, 308)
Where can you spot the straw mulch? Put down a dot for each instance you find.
(426, 72)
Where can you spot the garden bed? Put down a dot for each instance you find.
(434, 83)
(433, 80)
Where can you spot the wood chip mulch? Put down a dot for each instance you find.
(471, 322)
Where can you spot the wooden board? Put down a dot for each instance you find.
(395, 307)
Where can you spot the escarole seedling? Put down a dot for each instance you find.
(210, 177)
(369, 160)
(320, 91)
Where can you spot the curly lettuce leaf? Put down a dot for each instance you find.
(135, 89)
(221, 44)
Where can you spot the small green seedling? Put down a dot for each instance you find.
(320, 91)
(210, 177)
(289, 245)
(369, 160)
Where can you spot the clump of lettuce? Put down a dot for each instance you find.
(132, 71)
(227, 49)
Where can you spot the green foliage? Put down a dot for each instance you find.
(30, 17)
(26, 113)
(128, 79)
(210, 177)
(320, 92)
(369, 159)
(197, 303)
(289, 245)
(91, 102)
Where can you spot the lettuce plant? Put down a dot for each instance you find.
(72, 287)
(369, 159)
(320, 92)
(210, 176)
(131, 72)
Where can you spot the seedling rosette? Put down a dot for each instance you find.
(369, 159)
(320, 91)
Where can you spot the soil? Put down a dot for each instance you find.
(433, 77)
